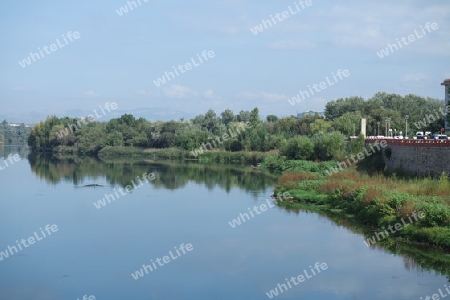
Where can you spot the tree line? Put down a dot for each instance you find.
(13, 134)
(310, 137)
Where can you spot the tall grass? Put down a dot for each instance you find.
(375, 200)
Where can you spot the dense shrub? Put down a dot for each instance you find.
(298, 148)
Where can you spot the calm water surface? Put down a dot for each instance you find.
(95, 251)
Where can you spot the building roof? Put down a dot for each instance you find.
(446, 82)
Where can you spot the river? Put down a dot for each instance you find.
(172, 236)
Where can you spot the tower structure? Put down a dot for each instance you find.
(363, 127)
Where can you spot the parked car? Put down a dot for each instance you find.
(420, 135)
(438, 136)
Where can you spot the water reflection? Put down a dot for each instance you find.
(173, 175)
(20, 149)
(169, 175)
(415, 257)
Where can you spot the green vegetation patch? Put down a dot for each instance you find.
(375, 201)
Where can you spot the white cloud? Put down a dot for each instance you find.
(230, 30)
(232, 3)
(273, 96)
(372, 26)
(22, 88)
(293, 45)
(414, 77)
(144, 93)
(209, 94)
(361, 24)
(263, 96)
(90, 94)
(356, 24)
(412, 82)
(248, 95)
(179, 91)
(320, 99)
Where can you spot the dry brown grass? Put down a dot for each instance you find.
(291, 177)
(330, 186)
(407, 209)
(417, 187)
(372, 194)
(378, 185)
(347, 174)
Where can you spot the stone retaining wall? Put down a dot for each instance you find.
(420, 157)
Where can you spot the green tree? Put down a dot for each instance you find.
(298, 148)
(348, 123)
(254, 117)
(320, 126)
(329, 146)
(243, 116)
(114, 138)
(287, 126)
(235, 146)
(357, 145)
(272, 118)
(227, 116)
(336, 108)
(91, 140)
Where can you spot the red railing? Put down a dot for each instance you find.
(420, 143)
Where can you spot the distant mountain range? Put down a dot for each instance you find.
(151, 114)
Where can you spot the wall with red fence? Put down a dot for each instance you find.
(420, 157)
(417, 143)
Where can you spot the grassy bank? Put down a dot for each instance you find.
(375, 201)
(180, 154)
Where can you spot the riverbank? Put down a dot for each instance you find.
(180, 154)
(376, 201)
(213, 156)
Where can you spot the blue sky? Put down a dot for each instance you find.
(117, 58)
